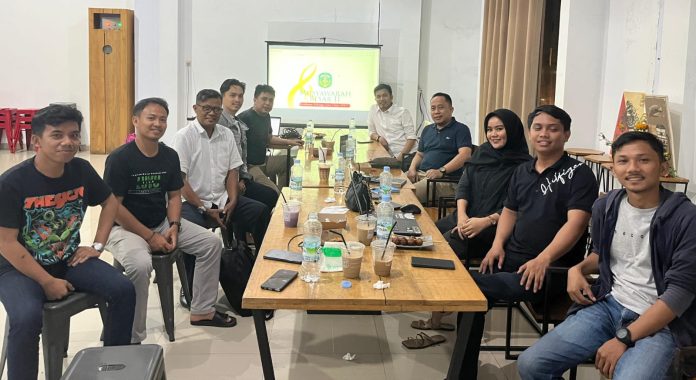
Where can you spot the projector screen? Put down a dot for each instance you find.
(327, 83)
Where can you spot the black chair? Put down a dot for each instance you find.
(164, 275)
(431, 190)
(684, 363)
(443, 206)
(55, 333)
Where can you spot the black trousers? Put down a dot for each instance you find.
(466, 249)
(261, 193)
(503, 285)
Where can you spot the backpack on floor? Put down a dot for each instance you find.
(235, 268)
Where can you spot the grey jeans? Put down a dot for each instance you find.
(133, 252)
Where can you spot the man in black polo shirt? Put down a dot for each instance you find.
(260, 136)
(443, 149)
(544, 218)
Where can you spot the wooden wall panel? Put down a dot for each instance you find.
(113, 92)
(97, 142)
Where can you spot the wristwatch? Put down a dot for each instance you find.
(443, 170)
(202, 210)
(624, 336)
(177, 224)
(99, 247)
(493, 221)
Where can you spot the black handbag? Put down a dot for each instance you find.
(358, 197)
(236, 264)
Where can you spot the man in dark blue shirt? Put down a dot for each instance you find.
(443, 149)
(544, 217)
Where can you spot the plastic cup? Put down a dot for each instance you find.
(366, 228)
(324, 171)
(381, 258)
(291, 213)
(352, 259)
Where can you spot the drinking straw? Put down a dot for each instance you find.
(387, 242)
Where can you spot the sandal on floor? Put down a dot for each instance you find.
(423, 340)
(428, 325)
(219, 320)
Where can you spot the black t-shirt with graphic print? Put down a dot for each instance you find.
(48, 212)
(542, 202)
(143, 181)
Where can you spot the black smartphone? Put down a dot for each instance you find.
(279, 280)
(285, 256)
(426, 262)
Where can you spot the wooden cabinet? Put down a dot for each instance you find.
(111, 77)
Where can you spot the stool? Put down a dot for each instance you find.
(22, 123)
(135, 362)
(164, 275)
(55, 333)
(6, 123)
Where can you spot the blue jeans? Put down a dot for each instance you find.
(23, 299)
(582, 334)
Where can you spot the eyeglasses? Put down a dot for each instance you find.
(209, 109)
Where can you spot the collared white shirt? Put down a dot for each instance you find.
(394, 124)
(206, 161)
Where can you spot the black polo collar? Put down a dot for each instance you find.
(556, 165)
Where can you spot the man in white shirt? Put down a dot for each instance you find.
(210, 163)
(391, 125)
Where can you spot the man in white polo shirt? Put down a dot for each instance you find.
(210, 163)
(391, 125)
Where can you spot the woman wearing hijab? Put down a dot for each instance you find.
(480, 194)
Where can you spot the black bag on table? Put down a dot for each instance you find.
(235, 268)
(358, 197)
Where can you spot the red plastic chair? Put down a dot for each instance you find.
(6, 123)
(23, 123)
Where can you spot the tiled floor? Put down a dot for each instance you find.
(303, 346)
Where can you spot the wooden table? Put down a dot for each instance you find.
(582, 152)
(412, 289)
(607, 175)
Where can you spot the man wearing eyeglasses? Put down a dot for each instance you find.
(210, 163)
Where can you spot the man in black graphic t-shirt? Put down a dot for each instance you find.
(146, 178)
(43, 202)
(544, 220)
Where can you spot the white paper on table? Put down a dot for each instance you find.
(334, 210)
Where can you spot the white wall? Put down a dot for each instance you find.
(45, 53)
(650, 47)
(451, 56)
(579, 69)
(228, 37)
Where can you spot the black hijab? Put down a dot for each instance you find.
(515, 150)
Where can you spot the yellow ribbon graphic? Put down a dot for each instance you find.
(301, 82)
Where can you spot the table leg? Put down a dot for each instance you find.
(463, 331)
(264, 348)
(288, 161)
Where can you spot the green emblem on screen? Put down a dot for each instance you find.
(325, 80)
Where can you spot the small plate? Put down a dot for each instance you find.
(427, 243)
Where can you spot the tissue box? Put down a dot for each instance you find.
(333, 218)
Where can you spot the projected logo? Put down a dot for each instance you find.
(323, 97)
(325, 80)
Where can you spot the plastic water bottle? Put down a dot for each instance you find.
(350, 149)
(351, 127)
(385, 183)
(309, 138)
(385, 218)
(296, 181)
(340, 177)
(310, 249)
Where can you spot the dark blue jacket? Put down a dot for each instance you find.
(673, 252)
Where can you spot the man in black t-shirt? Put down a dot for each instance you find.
(545, 215)
(146, 178)
(43, 202)
(260, 137)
